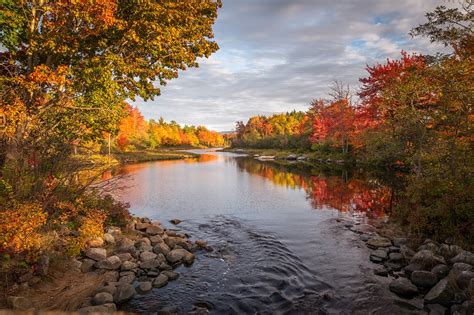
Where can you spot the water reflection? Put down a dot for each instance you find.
(348, 191)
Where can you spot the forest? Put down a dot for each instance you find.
(414, 114)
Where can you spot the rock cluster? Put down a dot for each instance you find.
(134, 263)
(441, 274)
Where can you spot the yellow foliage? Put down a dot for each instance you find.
(91, 227)
(19, 229)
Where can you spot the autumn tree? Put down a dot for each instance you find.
(68, 65)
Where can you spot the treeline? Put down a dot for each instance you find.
(415, 112)
(134, 132)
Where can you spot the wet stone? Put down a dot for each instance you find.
(424, 279)
(403, 287)
(381, 271)
(145, 287)
(412, 267)
(160, 281)
(395, 257)
(171, 274)
(393, 266)
(442, 293)
(440, 271)
(125, 293)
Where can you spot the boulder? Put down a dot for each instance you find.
(462, 267)
(124, 293)
(144, 244)
(427, 259)
(98, 309)
(175, 221)
(377, 241)
(436, 309)
(150, 264)
(379, 255)
(87, 265)
(464, 279)
(108, 289)
(125, 243)
(201, 243)
(111, 276)
(96, 242)
(154, 230)
(412, 267)
(155, 239)
(463, 257)
(180, 255)
(171, 274)
(395, 257)
(144, 287)
(19, 303)
(146, 256)
(110, 263)
(423, 279)
(403, 287)
(406, 252)
(381, 271)
(128, 265)
(96, 254)
(102, 298)
(162, 248)
(440, 271)
(160, 281)
(109, 238)
(442, 293)
(127, 279)
(141, 226)
(124, 256)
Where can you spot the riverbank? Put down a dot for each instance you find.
(294, 155)
(121, 264)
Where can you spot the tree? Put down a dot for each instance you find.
(68, 65)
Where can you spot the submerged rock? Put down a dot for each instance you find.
(175, 221)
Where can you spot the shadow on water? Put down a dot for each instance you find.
(273, 253)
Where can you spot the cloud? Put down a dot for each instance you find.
(277, 55)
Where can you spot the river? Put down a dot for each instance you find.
(279, 244)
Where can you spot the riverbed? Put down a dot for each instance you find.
(280, 245)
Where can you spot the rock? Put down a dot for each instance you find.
(432, 247)
(153, 273)
(102, 298)
(111, 276)
(165, 266)
(109, 238)
(144, 287)
(427, 259)
(154, 230)
(376, 242)
(395, 257)
(393, 266)
(87, 265)
(180, 255)
(381, 271)
(463, 257)
(423, 279)
(98, 309)
(108, 289)
(440, 271)
(162, 248)
(96, 242)
(144, 244)
(175, 221)
(114, 230)
(124, 256)
(378, 254)
(365, 237)
(96, 254)
(201, 243)
(43, 265)
(128, 278)
(403, 287)
(160, 281)
(146, 256)
(155, 239)
(170, 233)
(128, 265)
(411, 268)
(76, 264)
(466, 308)
(19, 303)
(150, 264)
(291, 157)
(141, 226)
(171, 274)
(464, 279)
(394, 249)
(436, 309)
(442, 293)
(124, 293)
(406, 252)
(399, 241)
(462, 267)
(110, 263)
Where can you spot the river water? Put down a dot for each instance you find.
(279, 244)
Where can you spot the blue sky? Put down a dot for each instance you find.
(278, 55)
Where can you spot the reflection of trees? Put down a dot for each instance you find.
(344, 193)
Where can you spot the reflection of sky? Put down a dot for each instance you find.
(277, 55)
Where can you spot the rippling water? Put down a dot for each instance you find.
(278, 248)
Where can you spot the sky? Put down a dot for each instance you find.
(278, 55)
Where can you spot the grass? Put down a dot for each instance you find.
(280, 153)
